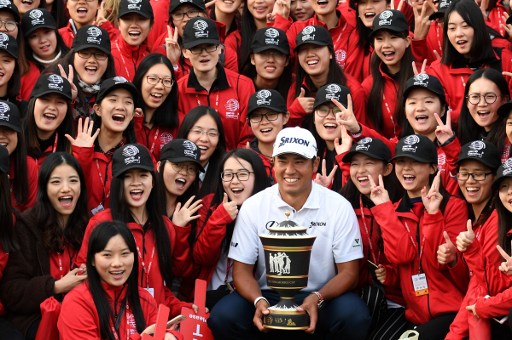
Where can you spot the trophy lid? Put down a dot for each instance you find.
(288, 226)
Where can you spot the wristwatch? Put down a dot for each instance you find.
(320, 298)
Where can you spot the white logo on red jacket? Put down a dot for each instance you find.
(341, 56)
(232, 106)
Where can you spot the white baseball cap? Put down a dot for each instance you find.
(295, 140)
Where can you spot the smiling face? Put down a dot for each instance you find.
(314, 59)
(191, 12)
(484, 114)
(327, 127)
(116, 110)
(269, 64)
(301, 10)
(505, 193)
(369, 9)
(238, 191)
(114, 264)
(390, 48)
(260, 8)
(43, 42)
(177, 177)
(137, 184)
(204, 61)
(413, 175)
(460, 34)
(63, 190)
(90, 70)
(420, 106)
(508, 127)
(228, 6)
(82, 12)
(8, 138)
(49, 112)
(26, 5)
(155, 95)
(205, 141)
(7, 66)
(8, 16)
(266, 130)
(476, 193)
(362, 167)
(294, 176)
(324, 7)
(134, 28)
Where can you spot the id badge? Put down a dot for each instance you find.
(150, 291)
(97, 209)
(419, 282)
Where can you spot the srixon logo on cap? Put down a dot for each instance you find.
(333, 91)
(364, 144)
(200, 27)
(410, 142)
(4, 112)
(271, 35)
(307, 33)
(94, 35)
(37, 17)
(385, 18)
(507, 167)
(421, 79)
(190, 149)
(476, 149)
(55, 82)
(135, 4)
(130, 152)
(263, 97)
(293, 140)
(3, 39)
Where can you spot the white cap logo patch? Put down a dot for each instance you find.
(409, 143)
(232, 106)
(55, 82)
(135, 4)
(200, 27)
(4, 112)
(476, 149)
(362, 145)
(385, 18)
(271, 35)
(444, 3)
(5, 3)
(333, 92)
(421, 79)
(37, 17)
(119, 80)
(94, 35)
(190, 149)
(507, 167)
(307, 33)
(130, 151)
(3, 39)
(262, 97)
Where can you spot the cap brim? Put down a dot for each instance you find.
(185, 159)
(409, 89)
(436, 15)
(48, 91)
(416, 158)
(175, 7)
(313, 42)
(133, 166)
(348, 157)
(388, 28)
(142, 14)
(10, 126)
(85, 46)
(268, 47)
(127, 86)
(33, 28)
(191, 44)
(269, 107)
(480, 160)
(293, 152)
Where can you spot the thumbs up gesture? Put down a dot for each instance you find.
(306, 102)
(465, 238)
(447, 253)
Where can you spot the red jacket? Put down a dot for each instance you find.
(155, 138)
(146, 248)
(68, 32)
(79, 316)
(32, 175)
(127, 58)
(405, 237)
(229, 96)
(28, 80)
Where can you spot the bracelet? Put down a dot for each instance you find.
(258, 299)
(358, 133)
(320, 298)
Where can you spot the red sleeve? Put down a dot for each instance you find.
(28, 80)
(113, 32)
(245, 90)
(494, 306)
(344, 167)
(180, 250)
(232, 43)
(358, 99)
(368, 132)
(78, 318)
(451, 150)
(392, 278)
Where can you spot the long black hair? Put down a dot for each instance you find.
(14, 83)
(99, 239)
(247, 30)
(29, 53)
(121, 212)
(261, 182)
(213, 171)
(6, 214)
(166, 115)
(19, 161)
(43, 214)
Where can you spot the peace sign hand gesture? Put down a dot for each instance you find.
(347, 117)
(322, 178)
(432, 200)
(100, 15)
(444, 130)
(506, 266)
(378, 193)
(69, 77)
(343, 145)
(172, 47)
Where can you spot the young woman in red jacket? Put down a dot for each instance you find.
(110, 304)
(413, 229)
(136, 202)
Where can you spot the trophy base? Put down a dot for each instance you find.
(286, 319)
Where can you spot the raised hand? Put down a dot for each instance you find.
(100, 15)
(69, 76)
(465, 238)
(506, 266)
(281, 7)
(230, 206)
(506, 27)
(305, 102)
(84, 137)
(345, 143)
(183, 215)
(172, 47)
(399, 7)
(421, 19)
(447, 252)
(432, 200)
(422, 70)
(378, 193)
(483, 8)
(323, 178)
(346, 116)
(69, 281)
(444, 130)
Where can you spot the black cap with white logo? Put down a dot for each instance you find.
(131, 156)
(7, 5)
(331, 91)
(200, 31)
(181, 150)
(140, 7)
(9, 44)
(391, 20)
(91, 37)
(175, 4)
(427, 82)
(270, 38)
(4, 160)
(372, 147)
(51, 83)
(481, 151)
(504, 171)
(316, 35)
(417, 147)
(37, 18)
(268, 99)
(442, 7)
(10, 116)
(110, 84)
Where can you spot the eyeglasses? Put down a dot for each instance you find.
(477, 176)
(323, 110)
(84, 54)
(190, 169)
(200, 132)
(9, 25)
(198, 50)
(474, 98)
(154, 79)
(190, 14)
(242, 175)
(257, 118)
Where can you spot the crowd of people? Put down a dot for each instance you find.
(145, 144)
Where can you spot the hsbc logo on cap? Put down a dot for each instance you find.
(363, 144)
(444, 4)
(200, 27)
(271, 34)
(476, 149)
(130, 152)
(262, 96)
(5, 3)
(385, 18)
(232, 106)
(94, 35)
(421, 80)
(190, 149)
(37, 17)
(119, 80)
(307, 33)
(135, 4)
(507, 167)
(55, 82)
(4, 112)
(410, 142)
(333, 92)
(3, 39)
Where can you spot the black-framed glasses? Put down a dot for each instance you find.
(9, 25)
(324, 110)
(242, 175)
(190, 14)
(209, 49)
(258, 117)
(489, 97)
(84, 54)
(212, 133)
(153, 79)
(477, 176)
(189, 168)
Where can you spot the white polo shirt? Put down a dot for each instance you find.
(328, 216)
